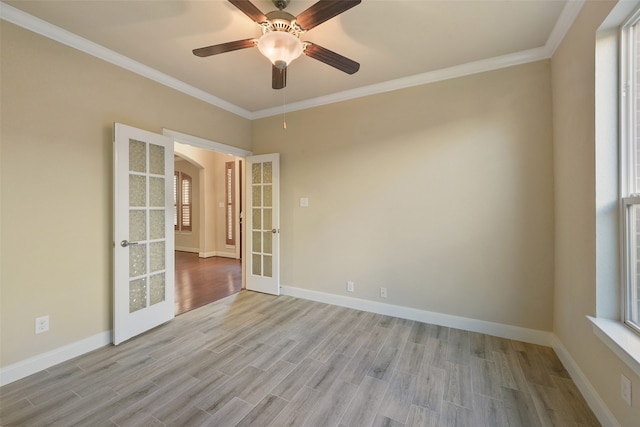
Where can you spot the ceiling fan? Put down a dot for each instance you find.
(280, 41)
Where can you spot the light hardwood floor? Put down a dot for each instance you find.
(257, 360)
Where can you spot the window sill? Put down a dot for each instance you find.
(621, 340)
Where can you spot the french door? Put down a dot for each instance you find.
(263, 223)
(143, 232)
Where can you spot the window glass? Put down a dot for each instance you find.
(630, 169)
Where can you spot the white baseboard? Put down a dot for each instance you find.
(226, 254)
(217, 253)
(185, 249)
(590, 394)
(46, 360)
(490, 328)
(222, 254)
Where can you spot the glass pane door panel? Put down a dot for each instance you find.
(137, 191)
(256, 223)
(257, 241)
(267, 244)
(267, 266)
(256, 261)
(137, 294)
(268, 219)
(137, 260)
(137, 156)
(156, 224)
(156, 159)
(267, 172)
(256, 173)
(156, 288)
(156, 256)
(137, 225)
(156, 192)
(267, 201)
(256, 199)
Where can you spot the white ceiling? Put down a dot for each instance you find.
(398, 43)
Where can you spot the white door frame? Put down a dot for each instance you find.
(206, 144)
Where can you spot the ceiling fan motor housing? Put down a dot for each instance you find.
(279, 20)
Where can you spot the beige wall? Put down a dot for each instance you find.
(58, 107)
(189, 241)
(573, 82)
(441, 193)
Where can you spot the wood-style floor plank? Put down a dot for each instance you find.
(200, 281)
(298, 409)
(264, 412)
(430, 384)
(252, 359)
(422, 417)
(331, 405)
(365, 403)
(397, 400)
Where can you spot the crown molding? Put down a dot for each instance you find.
(564, 22)
(489, 64)
(569, 13)
(31, 23)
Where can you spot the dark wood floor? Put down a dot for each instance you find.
(257, 360)
(200, 281)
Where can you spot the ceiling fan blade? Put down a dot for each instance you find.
(329, 57)
(323, 11)
(278, 77)
(224, 47)
(250, 10)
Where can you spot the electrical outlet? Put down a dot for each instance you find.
(383, 292)
(350, 286)
(42, 324)
(625, 389)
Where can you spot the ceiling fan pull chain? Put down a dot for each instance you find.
(284, 108)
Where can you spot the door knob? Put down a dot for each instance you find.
(126, 243)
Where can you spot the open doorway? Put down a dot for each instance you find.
(208, 225)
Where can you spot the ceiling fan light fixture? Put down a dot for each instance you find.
(280, 47)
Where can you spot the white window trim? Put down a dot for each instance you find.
(609, 327)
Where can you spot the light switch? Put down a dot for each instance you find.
(304, 202)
